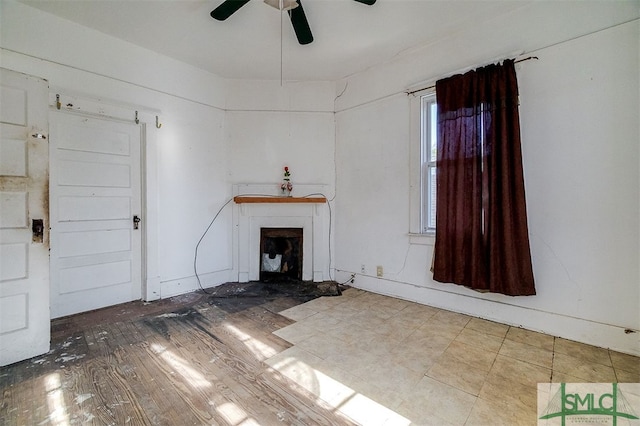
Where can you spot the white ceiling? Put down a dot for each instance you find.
(349, 36)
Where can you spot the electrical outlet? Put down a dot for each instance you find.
(362, 269)
(379, 271)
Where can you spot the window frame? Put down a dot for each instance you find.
(428, 156)
(418, 208)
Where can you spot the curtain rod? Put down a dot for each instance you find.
(528, 58)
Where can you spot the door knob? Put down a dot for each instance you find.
(136, 222)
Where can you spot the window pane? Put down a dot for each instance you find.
(432, 198)
(433, 134)
(425, 135)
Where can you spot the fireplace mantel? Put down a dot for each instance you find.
(245, 199)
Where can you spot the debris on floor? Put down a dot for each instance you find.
(257, 292)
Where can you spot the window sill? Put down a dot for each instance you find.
(427, 239)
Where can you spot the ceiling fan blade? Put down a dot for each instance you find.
(227, 8)
(367, 2)
(300, 24)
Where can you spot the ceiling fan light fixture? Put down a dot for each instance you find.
(286, 4)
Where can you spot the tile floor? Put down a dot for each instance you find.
(386, 361)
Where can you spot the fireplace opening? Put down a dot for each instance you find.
(280, 253)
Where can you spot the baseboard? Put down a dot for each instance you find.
(152, 289)
(180, 286)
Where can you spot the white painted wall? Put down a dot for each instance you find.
(186, 158)
(270, 126)
(579, 115)
(214, 133)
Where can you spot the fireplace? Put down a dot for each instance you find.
(253, 214)
(281, 252)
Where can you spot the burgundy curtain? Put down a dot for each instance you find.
(482, 239)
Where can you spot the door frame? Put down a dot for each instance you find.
(84, 105)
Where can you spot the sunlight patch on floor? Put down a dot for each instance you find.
(55, 400)
(180, 366)
(235, 415)
(339, 396)
(258, 348)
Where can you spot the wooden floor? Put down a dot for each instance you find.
(181, 361)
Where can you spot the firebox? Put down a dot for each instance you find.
(280, 253)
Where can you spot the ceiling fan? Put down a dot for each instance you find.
(293, 8)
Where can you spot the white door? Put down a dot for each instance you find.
(96, 249)
(24, 217)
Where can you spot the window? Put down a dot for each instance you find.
(428, 153)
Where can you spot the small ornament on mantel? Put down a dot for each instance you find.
(286, 186)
